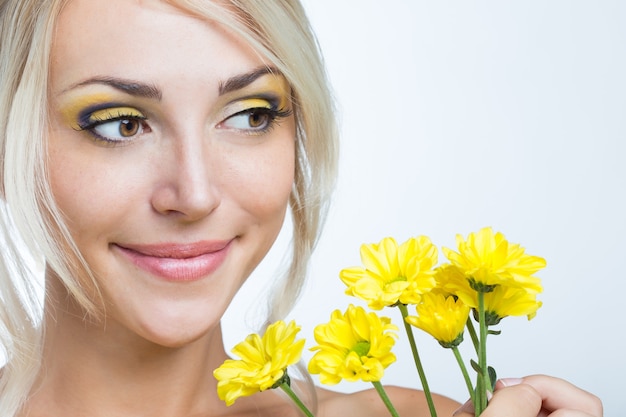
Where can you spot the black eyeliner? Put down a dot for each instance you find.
(84, 117)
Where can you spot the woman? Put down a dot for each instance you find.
(150, 150)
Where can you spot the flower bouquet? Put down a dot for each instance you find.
(485, 280)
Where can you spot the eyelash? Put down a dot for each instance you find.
(89, 122)
(92, 123)
(274, 115)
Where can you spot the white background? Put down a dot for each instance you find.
(463, 114)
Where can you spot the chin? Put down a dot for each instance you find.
(171, 327)
(176, 337)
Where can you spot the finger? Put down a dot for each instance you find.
(538, 396)
(566, 413)
(467, 409)
(520, 400)
(558, 394)
(504, 405)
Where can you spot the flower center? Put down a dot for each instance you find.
(361, 348)
(394, 280)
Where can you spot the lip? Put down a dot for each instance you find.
(177, 262)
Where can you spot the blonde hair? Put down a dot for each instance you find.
(31, 226)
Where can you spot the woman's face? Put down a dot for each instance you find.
(171, 156)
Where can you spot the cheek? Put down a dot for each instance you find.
(259, 193)
(274, 184)
(68, 183)
(264, 184)
(75, 195)
(87, 192)
(75, 199)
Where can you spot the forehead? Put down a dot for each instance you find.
(142, 38)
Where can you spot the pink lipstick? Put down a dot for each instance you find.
(178, 262)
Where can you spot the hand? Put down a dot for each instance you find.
(540, 396)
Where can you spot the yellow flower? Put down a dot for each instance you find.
(392, 273)
(488, 259)
(263, 362)
(442, 317)
(508, 301)
(503, 301)
(353, 346)
(452, 280)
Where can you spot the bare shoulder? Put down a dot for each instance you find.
(408, 402)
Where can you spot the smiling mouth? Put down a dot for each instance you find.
(178, 262)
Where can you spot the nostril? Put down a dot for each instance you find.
(185, 201)
(186, 185)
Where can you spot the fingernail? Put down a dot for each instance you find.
(509, 382)
(468, 407)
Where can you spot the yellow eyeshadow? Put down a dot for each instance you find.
(280, 85)
(271, 91)
(252, 103)
(113, 113)
(72, 110)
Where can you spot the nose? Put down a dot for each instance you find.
(187, 184)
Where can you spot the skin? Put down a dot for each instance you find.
(191, 171)
(540, 396)
(190, 176)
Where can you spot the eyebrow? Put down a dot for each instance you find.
(240, 81)
(139, 89)
(131, 87)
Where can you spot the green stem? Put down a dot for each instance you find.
(468, 381)
(385, 398)
(285, 387)
(482, 357)
(472, 332)
(478, 395)
(418, 362)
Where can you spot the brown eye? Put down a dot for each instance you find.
(258, 120)
(116, 124)
(255, 120)
(119, 130)
(129, 127)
